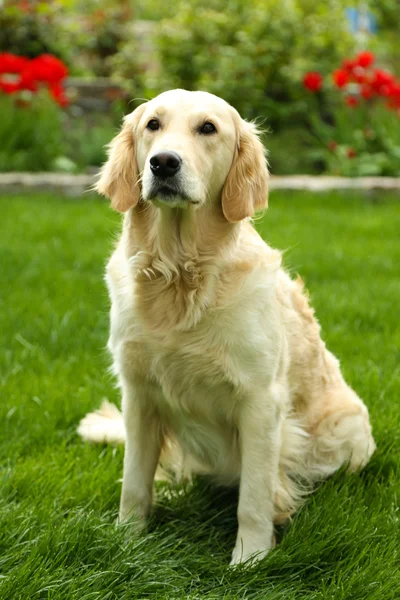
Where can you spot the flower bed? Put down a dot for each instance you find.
(32, 98)
(355, 116)
(353, 120)
(37, 132)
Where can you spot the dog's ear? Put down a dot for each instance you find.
(119, 176)
(246, 187)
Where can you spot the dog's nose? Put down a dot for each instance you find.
(165, 164)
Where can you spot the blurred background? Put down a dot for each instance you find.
(321, 77)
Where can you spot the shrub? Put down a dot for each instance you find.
(32, 28)
(30, 132)
(253, 53)
(103, 33)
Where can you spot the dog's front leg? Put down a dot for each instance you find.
(260, 441)
(142, 451)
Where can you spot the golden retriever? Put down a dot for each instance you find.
(216, 349)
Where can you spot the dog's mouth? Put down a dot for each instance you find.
(168, 193)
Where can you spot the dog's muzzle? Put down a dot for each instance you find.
(166, 184)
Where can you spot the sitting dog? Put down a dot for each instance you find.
(216, 349)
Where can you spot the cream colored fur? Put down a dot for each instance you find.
(216, 349)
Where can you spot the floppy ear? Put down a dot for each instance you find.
(119, 176)
(246, 187)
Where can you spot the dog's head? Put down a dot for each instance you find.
(187, 149)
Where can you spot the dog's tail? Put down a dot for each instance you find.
(105, 425)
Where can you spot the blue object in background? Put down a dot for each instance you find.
(361, 20)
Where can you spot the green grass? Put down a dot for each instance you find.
(59, 497)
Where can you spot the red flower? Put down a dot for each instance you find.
(366, 91)
(365, 59)
(58, 93)
(348, 65)
(384, 90)
(340, 77)
(381, 78)
(313, 81)
(10, 63)
(45, 69)
(27, 80)
(332, 145)
(394, 95)
(9, 87)
(351, 101)
(48, 69)
(395, 88)
(351, 153)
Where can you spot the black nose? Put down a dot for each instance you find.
(165, 164)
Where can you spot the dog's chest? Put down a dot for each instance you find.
(199, 370)
(204, 369)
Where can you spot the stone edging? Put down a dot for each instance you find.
(64, 183)
(76, 185)
(327, 182)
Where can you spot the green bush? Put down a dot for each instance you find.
(32, 32)
(30, 132)
(253, 53)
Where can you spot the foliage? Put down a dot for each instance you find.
(253, 53)
(32, 28)
(37, 136)
(85, 138)
(30, 132)
(59, 497)
(104, 32)
(292, 150)
(357, 120)
(82, 34)
(363, 141)
(386, 44)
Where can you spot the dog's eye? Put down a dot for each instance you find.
(153, 124)
(208, 128)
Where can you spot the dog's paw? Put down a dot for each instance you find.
(238, 557)
(249, 554)
(134, 526)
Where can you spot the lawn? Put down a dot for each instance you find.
(59, 497)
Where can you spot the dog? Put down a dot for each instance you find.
(216, 349)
